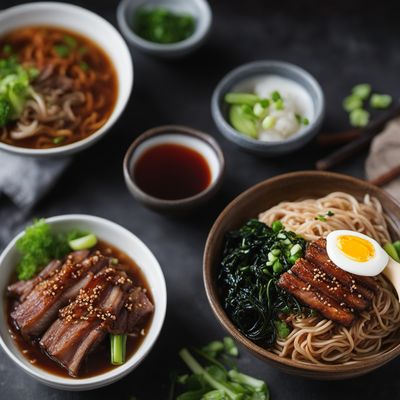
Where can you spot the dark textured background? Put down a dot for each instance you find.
(343, 43)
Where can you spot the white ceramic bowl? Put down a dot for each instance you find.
(90, 25)
(199, 9)
(126, 241)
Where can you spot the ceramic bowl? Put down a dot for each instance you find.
(286, 70)
(290, 187)
(195, 140)
(199, 9)
(90, 25)
(127, 242)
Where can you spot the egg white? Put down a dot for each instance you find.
(372, 267)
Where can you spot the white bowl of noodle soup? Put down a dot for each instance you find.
(295, 199)
(87, 25)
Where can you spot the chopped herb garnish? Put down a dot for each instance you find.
(359, 117)
(352, 102)
(161, 25)
(58, 139)
(70, 41)
(305, 121)
(275, 95)
(82, 50)
(362, 91)
(7, 49)
(322, 217)
(279, 104)
(380, 100)
(84, 66)
(62, 50)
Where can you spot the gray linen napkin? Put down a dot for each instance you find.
(23, 182)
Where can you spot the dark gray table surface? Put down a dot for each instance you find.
(341, 44)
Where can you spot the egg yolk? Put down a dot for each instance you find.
(356, 248)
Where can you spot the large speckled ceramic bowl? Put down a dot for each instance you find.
(290, 187)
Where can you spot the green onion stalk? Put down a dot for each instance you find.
(118, 349)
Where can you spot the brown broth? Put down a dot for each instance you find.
(87, 65)
(97, 362)
(171, 172)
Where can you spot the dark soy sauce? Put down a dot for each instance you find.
(171, 172)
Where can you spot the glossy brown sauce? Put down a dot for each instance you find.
(171, 172)
(97, 362)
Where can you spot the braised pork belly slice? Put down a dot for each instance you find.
(319, 280)
(40, 307)
(137, 309)
(83, 324)
(318, 283)
(364, 285)
(110, 300)
(326, 305)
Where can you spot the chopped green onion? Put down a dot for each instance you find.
(265, 103)
(83, 243)
(114, 261)
(362, 90)
(230, 347)
(61, 50)
(380, 100)
(276, 96)
(330, 213)
(279, 105)
(269, 122)
(305, 121)
(242, 98)
(282, 329)
(352, 102)
(276, 252)
(243, 120)
(84, 66)
(256, 384)
(70, 41)
(396, 245)
(259, 111)
(391, 250)
(7, 49)
(118, 349)
(58, 139)
(277, 226)
(359, 117)
(277, 267)
(295, 249)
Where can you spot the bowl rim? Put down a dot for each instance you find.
(180, 130)
(116, 373)
(199, 34)
(236, 75)
(224, 320)
(121, 102)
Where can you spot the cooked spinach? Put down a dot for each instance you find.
(254, 257)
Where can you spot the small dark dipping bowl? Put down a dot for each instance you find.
(165, 147)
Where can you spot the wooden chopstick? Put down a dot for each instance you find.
(361, 142)
(334, 139)
(386, 177)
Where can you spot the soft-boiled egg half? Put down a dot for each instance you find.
(356, 253)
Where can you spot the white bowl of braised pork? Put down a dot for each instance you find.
(85, 301)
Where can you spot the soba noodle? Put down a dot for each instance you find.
(315, 339)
